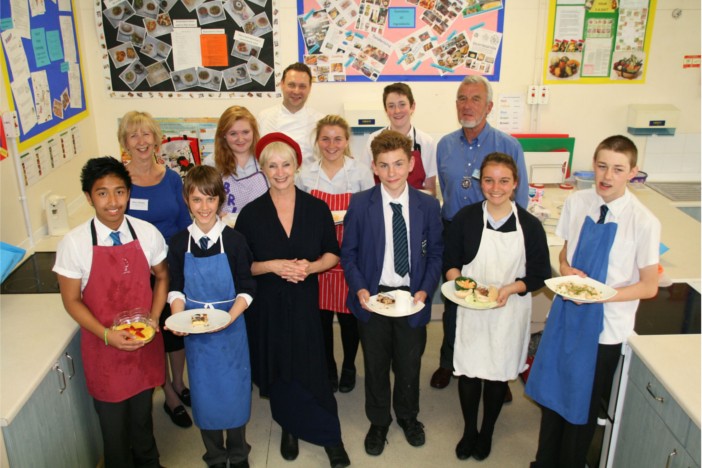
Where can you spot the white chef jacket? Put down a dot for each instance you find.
(299, 126)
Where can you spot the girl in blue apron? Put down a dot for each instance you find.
(235, 138)
(612, 238)
(210, 267)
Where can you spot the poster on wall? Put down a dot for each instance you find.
(188, 48)
(598, 41)
(400, 40)
(41, 67)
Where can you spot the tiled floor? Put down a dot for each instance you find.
(514, 443)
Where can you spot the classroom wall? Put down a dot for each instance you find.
(587, 112)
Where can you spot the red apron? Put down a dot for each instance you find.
(119, 281)
(418, 175)
(332, 283)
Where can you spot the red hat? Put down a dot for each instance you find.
(283, 138)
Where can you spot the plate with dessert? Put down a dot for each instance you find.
(198, 321)
(466, 292)
(386, 304)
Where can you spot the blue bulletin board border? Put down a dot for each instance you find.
(413, 77)
(57, 74)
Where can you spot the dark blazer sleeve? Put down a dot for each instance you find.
(240, 259)
(176, 254)
(538, 263)
(352, 248)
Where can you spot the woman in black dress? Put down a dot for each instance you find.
(292, 237)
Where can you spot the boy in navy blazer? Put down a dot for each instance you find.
(379, 253)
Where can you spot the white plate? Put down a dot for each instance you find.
(606, 292)
(389, 309)
(448, 289)
(182, 321)
(338, 216)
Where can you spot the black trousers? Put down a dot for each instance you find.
(448, 320)
(128, 431)
(390, 343)
(236, 449)
(565, 445)
(349, 339)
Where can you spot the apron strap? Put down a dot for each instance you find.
(93, 231)
(221, 242)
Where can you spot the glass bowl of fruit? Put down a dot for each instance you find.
(137, 323)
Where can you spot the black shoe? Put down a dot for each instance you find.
(288, 446)
(376, 439)
(184, 396)
(242, 464)
(482, 448)
(338, 458)
(464, 449)
(347, 381)
(178, 415)
(441, 378)
(414, 431)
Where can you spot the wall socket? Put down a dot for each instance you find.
(544, 94)
(532, 95)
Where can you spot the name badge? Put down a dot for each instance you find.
(139, 204)
(476, 174)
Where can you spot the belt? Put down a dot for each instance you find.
(382, 288)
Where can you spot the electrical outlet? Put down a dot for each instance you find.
(544, 94)
(532, 96)
(44, 198)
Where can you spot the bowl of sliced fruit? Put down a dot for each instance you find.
(137, 323)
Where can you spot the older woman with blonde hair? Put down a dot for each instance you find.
(292, 238)
(235, 139)
(156, 197)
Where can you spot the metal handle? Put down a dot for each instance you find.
(61, 377)
(650, 391)
(670, 457)
(69, 358)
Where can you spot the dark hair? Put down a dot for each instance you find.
(97, 168)
(207, 180)
(297, 66)
(619, 144)
(503, 159)
(390, 140)
(399, 88)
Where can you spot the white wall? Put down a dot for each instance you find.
(587, 112)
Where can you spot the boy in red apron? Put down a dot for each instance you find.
(98, 283)
(610, 237)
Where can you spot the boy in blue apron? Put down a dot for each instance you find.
(610, 237)
(210, 264)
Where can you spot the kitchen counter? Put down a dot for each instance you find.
(680, 233)
(675, 361)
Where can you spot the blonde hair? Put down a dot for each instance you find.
(279, 148)
(332, 121)
(133, 120)
(225, 161)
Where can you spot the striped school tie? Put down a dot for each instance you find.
(603, 214)
(204, 240)
(115, 238)
(399, 240)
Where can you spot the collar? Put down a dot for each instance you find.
(214, 234)
(482, 136)
(618, 206)
(402, 199)
(285, 110)
(103, 232)
(251, 162)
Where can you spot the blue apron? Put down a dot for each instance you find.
(564, 367)
(219, 369)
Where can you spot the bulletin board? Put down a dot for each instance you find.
(400, 40)
(598, 41)
(188, 48)
(41, 69)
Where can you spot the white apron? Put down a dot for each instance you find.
(492, 344)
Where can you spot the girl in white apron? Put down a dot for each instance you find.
(496, 244)
(235, 139)
(332, 179)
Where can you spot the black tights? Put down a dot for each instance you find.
(349, 339)
(469, 390)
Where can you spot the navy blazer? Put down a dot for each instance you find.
(363, 248)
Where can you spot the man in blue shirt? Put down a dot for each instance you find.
(458, 158)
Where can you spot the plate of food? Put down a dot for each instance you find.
(580, 289)
(338, 216)
(386, 304)
(467, 293)
(198, 321)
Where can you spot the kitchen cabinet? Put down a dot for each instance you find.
(655, 431)
(57, 426)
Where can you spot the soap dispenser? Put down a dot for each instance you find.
(57, 215)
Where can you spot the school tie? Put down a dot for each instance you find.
(204, 240)
(603, 214)
(399, 240)
(115, 238)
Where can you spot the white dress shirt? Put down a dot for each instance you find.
(388, 277)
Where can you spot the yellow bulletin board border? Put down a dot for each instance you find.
(550, 79)
(23, 145)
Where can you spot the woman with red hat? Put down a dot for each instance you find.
(291, 235)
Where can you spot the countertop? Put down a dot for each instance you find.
(679, 232)
(675, 361)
